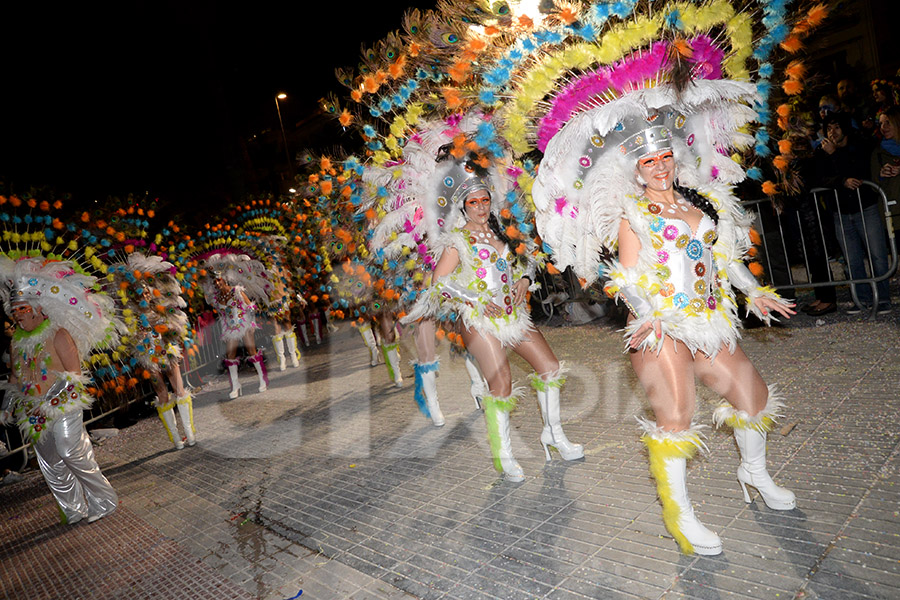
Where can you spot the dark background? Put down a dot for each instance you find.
(166, 97)
(177, 99)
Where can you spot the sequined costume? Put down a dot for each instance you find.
(236, 316)
(483, 275)
(686, 278)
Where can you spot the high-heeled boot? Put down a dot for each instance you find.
(553, 435)
(232, 365)
(365, 330)
(496, 416)
(278, 347)
(479, 387)
(167, 416)
(750, 433)
(392, 361)
(426, 391)
(669, 451)
(303, 334)
(317, 329)
(258, 361)
(292, 351)
(185, 406)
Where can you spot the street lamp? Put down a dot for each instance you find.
(282, 96)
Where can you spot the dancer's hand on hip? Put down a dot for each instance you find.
(492, 311)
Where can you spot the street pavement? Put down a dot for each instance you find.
(331, 483)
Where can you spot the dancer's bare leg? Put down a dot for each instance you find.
(537, 353)
(735, 378)
(668, 380)
(424, 338)
(492, 360)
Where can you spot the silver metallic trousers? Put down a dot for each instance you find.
(67, 461)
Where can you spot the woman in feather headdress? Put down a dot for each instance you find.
(232, 280)
(159, 331)
(484, 284)
(639, 140)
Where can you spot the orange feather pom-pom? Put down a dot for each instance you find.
(785, 146)
(769, 188)
(792, 87)
(783, 110)
(756, 269)
(520, 249)
(780, 162)
(440, 333)
(346, 118)
(551, 269)
(755, 238)
(792, 44)
(817, 14)
(795, 70)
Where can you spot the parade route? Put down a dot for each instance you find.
(334, 484)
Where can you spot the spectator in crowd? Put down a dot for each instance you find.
(815, 240)
(850, 103)
(841, 163)
(885, 164)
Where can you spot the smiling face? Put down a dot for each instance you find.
(27, 317)
(478, 206)
(888, 131)
(657, 170)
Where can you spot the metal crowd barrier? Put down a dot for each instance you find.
(788, 227)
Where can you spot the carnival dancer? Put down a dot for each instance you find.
(236, 312)
(280, 312)
(641, 174)
(159, 332)
(59, 321)
(482, 281)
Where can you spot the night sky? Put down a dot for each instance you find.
(151, 96)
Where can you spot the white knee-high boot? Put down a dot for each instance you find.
(392, 360)
(496, 417)
(278, 347)
(258, 361)
(167, 416)
(668, 452)
(368, 337)
(553, 435)
(750, 433)
(317, 327)
(303, 334)
(425, 393)
(292, 351)
(185, 406)
(479, 387)
(232, 365)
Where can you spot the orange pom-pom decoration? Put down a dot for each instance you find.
(792, 44)
(440, 334)
(783, 110)
(784, 146)
(161, 328)
(769, 188)
(552, 270)
(756, 269)
(792, 87)
(780, 162)
(755, 238)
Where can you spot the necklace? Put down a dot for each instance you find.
(680, 204)
(483, 236)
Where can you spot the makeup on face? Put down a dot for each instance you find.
(657, 170)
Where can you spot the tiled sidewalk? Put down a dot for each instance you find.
(332, 483)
